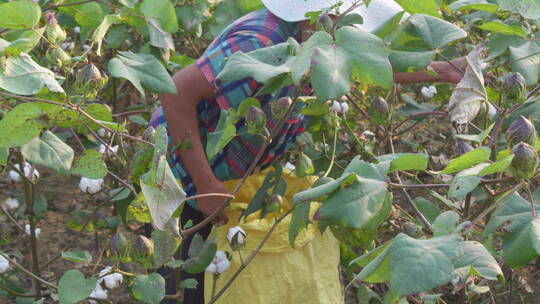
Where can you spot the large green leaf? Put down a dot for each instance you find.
(468, 160)
(480, 5)
(502, 28)
(529, 9)
(428, 7)
(480, 261)
(22, 75)
(405, 161)
(163, 195)
(403, 61)
(522, 245)
(354, 55)
(49, 151)
(144, 71)
(90, 165)
(20, 125)
(445, 223)
(165, 245)
(162, 12)
(21, 41)
(525, 59)
(19, 14)
(73, 287)
(466, 181)
(149, 289)
(412, 265)
(498, 44)
(201, 253)
(102, 29)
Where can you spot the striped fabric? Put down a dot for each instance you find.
(256, 30)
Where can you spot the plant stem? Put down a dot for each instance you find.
(419, 186)
(533, 203)
(28, 272)
(495, 132)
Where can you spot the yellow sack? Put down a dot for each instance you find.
(306, 274)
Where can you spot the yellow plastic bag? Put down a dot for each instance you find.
(306, 274)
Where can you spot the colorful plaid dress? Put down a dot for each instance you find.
(256, 30)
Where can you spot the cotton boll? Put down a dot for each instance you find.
(236, 237)
(103, 133)
(335, 107)
(90, 186)
(110, 150)
(77, 30)
(4, 264)
(113, 280)
(11, 203)
(98, 293)
(211, 268)
(428, 92)
(30, 173)
(367, 134)
(37, 231)
(289, 166)
(344, 108)
(223, 265)
(219, 264)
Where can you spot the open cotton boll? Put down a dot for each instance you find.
(90, 186)
(211, 268)
(289, 166)
(223, 266)
(236, 237)
(98, 293)
(37, 231)
(4, 264)
(219, 264)
(110, 150)
(113, 280)
(103, 133)
(30, 173)
(11, 203)
(339, 107)
(429, 92)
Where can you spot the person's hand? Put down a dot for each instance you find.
(208, 205)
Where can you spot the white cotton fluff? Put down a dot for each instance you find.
(30, 173)
(367, 134)
(37, 231)
(236, 237)
(289, 166)
(111, 279)
(90, 186)
(219, 264)
(98, 293)
(103, 133)
(4, 264)
(429, 92)
(11, 203)
(339, 107)
(111, 150)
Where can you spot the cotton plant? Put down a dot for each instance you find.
(11, 203)
(219, 264)
(90, 186)
(30, 172)
(27, 230)
(111, 279)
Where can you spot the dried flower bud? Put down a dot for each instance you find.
(379, 111)
(89, 73)
(119, 244)
(143, 247)
(54, 33)
(525, 161)
(380, 105)
(149, 134)
(463, 147)
(280, 107)
(514, 85)
(325, 23)
(521, 130)
(236, 237)
(255, 120)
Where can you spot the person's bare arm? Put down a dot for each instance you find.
(445, 71)
(181, 114)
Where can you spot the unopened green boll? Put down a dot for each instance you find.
(255, 120)
(54, 33)
(58, 57)
(119, 244)
(325, 23)
(521, 130)
(514, 85)
(525, 161)
(143, 247)
(280, 107)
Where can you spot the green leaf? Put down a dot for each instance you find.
(403, 61)
(4, 153)
(462, 185)
(478, 138)
(148, 289)
(222, 136)
(188, 284)
(143, 71)
(529, 9)
(355, 55)
(162, 11)
(19, 14)
(22, 75)
(163, 195)
(22, 41)
(20, 125)
(201, 253)
(73, 287)
(88, 15)
(405, 161)
(480, 261)
(498, 166)
(445, 223)
(412, 265)
(525, 59)
(479, 5)
(77, 256)
(102, 29)
(90, 165)
(428, 7)
(299, 221)
(49, 151)
(522, 244)
(165, 245)
(158, 37)
(468, 160)
(515, 209)
(501, 28)
(428, 209)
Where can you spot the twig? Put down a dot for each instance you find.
(419, 186)
(209, 195)
(531, 93)
(128, 113)
(412, 116)
(28, 272)
(12, 219)
(11, 291)
(67, 4)
(495, 132)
